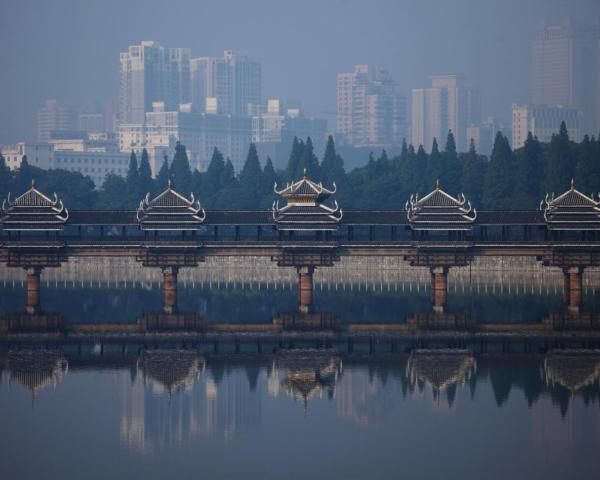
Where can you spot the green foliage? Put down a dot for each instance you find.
(145, 174)
(162, 179)
(587, 176)
(560, 166)
(251, 176)
(499, 180)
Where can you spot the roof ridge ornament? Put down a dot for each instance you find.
(437, 184)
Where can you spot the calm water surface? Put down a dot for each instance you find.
(296, 410)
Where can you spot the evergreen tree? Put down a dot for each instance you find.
(294, 161)
(332, 166)
(422, 182)
(162, 179)
(499, 183)
(133, 191)
(451, 168)
(269, 177)
(23, 177)
(434, 165)
(587, 176)
(560, 166)
(145, 173)
(473, 172)
(181, 173)
(213, 177)
(111, 195)
(529, 173)
(5, 178)
(251, 174)
(310, 162)
(228, 179)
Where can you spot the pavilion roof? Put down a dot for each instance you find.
(33, 211)
(170, 211)
(572, 369)
(439, 210)
(440, 368)
(36, 369)
(305, 209)
(572, 210)
(171, 369)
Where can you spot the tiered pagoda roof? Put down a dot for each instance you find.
(170, 211)
(572, 210)
(440, 211)
(171, 369)
(36, 369)
(440, 368)
(33, 211)
(305, 209)
(572, 369)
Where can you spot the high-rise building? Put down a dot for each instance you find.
(201, 133)
(152, 73)
(484, 134)
(371, 110)
(447, 105)
(566, 69)
(54, 117)
(228, 85)
(543, 121)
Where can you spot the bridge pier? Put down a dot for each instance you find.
(573, 279)
(33, 290)
(439, 287)
(305, 287)
(170, 289)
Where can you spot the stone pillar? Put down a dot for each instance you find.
(170, 289)
(439, 288)
(33, 289)
(573, 279)
(305, 288)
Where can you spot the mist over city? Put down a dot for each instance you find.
(312, 239)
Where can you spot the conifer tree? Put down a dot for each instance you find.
(529, 173)
(294, 161)
(24, 177)
(560, 165)
(162, 179)
(587, 176)
(145, 173)
(228, 179)
(434, 165)
(213, 177)
(181, 173)
(473, 173)
(332, 166)
(310, 162)
(422, 182)
(251, 174)
(499, 181)
(451, 169)
(5, 178)
(133, 180)
(269, 177)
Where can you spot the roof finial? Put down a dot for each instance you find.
(437, 184)
(32, 183)
(305, 176)
(169, 184)
(572, 184)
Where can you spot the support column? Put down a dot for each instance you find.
(439, 288)
(33, 289)
(573, 279)
(305, 288)
(170, 289)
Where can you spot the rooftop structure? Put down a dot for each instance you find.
(171, 369)
(572, 210)
(170, 211)
(573, 370)
(440, 211)
(305, 209)
(33, 211)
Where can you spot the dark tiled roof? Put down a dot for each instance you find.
(440, 211)
(572, 210)
(170, 211)
(33, 211)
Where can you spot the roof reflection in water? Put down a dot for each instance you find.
(36, 369)
(440, 369)
(572, 369)
(171, 370)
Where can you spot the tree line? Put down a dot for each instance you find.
(506, 180)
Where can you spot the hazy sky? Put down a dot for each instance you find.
(69, 49)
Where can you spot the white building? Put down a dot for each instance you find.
(447, 105)
(371, 110)
(228, 85)
(39, 155)
(484, 134)
(199, 132)
(543, 121)
(152, 73)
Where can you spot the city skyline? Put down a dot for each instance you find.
(411, 58)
